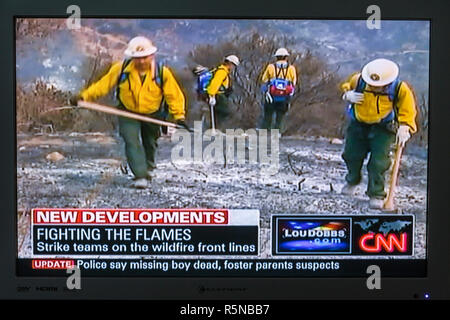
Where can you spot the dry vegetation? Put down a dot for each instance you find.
(421, 137)
(316, 109)
(37, 28)
(42, 107)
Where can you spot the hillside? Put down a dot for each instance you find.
(344, 45)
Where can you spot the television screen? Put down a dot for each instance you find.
(256, 148)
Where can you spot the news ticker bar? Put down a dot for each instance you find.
(221, 267)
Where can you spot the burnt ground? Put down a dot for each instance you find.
(309, 181)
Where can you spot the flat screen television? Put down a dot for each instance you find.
(206, 152)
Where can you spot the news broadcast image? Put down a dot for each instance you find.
(221, 147)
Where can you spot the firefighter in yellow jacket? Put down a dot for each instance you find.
(382, 110)
(143, 87)
(279, 80)
(220, 88)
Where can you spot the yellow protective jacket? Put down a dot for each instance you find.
(269, 73)
(138, 97)
(220, 81)
(376, 106)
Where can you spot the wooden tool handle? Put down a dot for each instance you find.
(389, 205)
(123, 113)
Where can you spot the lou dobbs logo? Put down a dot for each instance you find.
(312, 235)
(384, 235)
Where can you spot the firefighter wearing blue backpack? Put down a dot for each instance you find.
(382, 111)
(219, 88)
(145, 87)
(279, 80)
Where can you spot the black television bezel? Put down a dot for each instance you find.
(436, 283)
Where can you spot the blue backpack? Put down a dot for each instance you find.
(280, 88)
(392, 92)
(204, 79)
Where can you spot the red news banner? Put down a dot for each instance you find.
(136, 232)
(127, 216)
(52, 264)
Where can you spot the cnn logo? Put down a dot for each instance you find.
(377, 242)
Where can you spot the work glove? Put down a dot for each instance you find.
(183, 124)
(73, 100)
(212, 101)
(268, 97)
(353, 97)
(403, 135)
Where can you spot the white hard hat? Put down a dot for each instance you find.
(140, 47)
(281, 52)
(380, 72)
(233, 59)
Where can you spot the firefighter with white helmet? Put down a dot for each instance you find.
(139, 47)
(382, 110)
(281, 52)
(233, 59)
(279, 80)
(143, 86)
(220, 87)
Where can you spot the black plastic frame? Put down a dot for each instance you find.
(437, 282)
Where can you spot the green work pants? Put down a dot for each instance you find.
(277, 109)
(221, 109)
(362, 139)
(140, 144)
